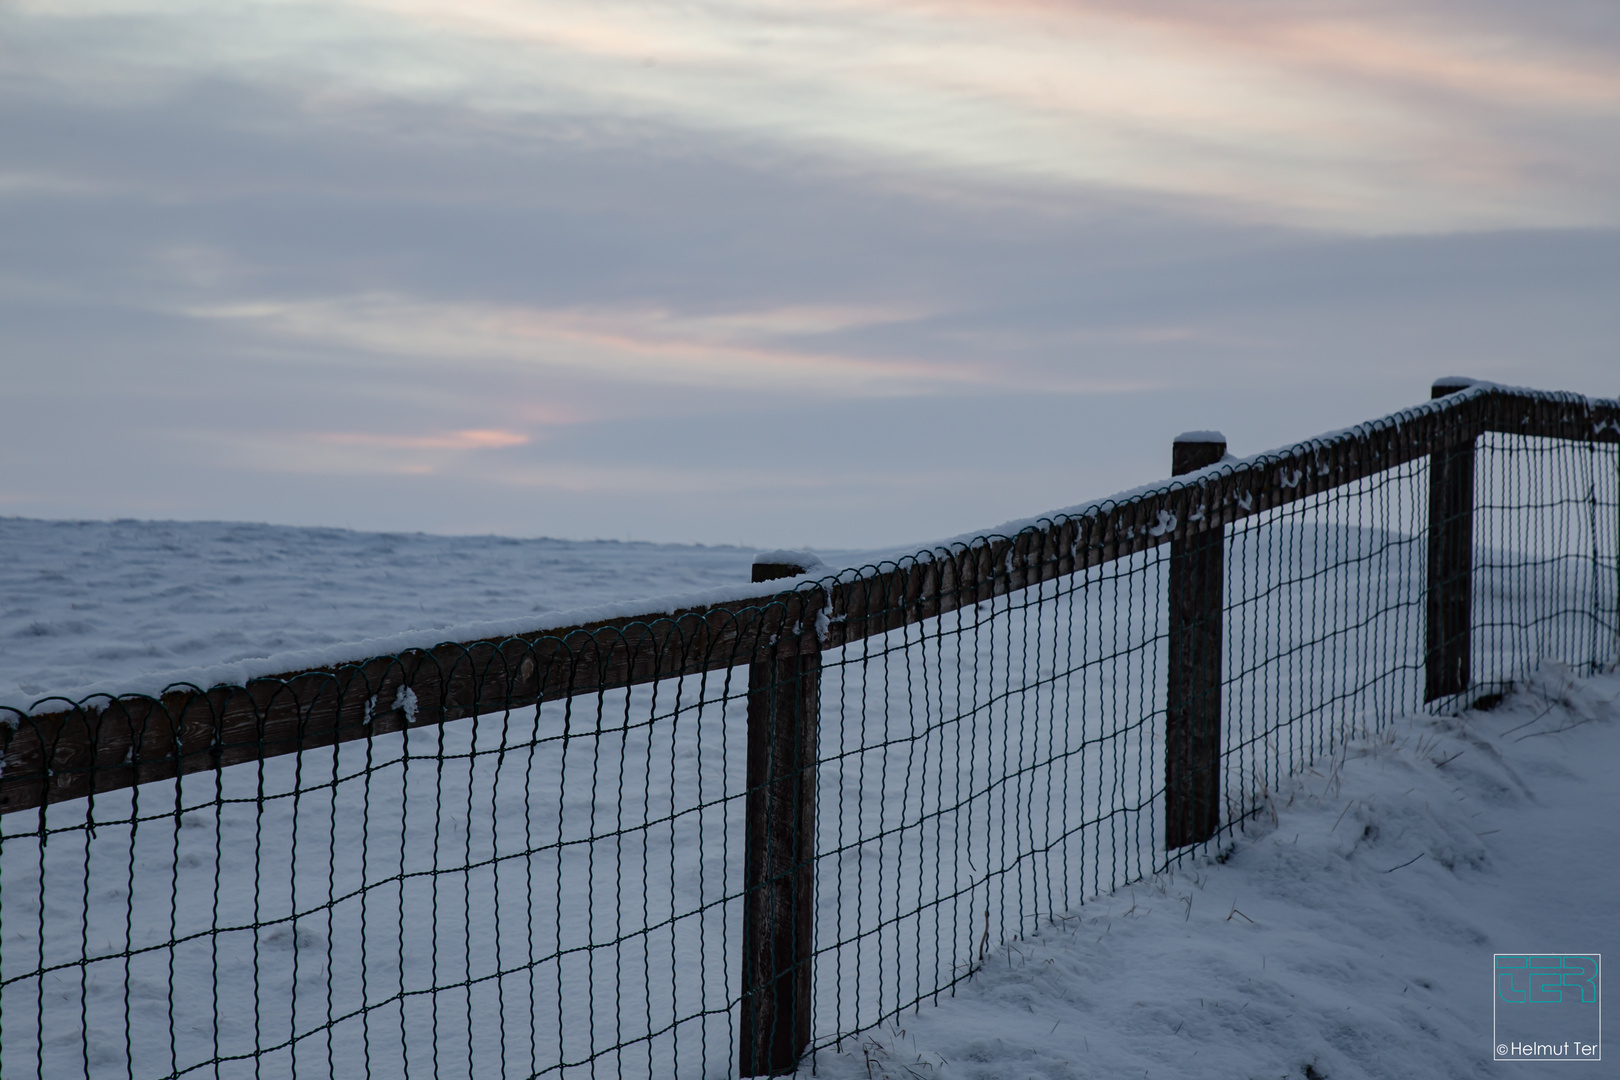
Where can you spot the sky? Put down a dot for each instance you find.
(844, 274)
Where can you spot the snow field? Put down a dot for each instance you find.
(89, 606)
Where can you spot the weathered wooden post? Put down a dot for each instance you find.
(1448, 625)
(1192, 723)
(778, 861)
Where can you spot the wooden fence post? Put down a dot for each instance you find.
(1448, 624)
(778, 860)
(1192, 722)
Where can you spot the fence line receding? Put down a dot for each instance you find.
(709, 842)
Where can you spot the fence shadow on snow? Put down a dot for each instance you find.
(710, 841)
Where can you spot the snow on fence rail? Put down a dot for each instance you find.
(708, 841)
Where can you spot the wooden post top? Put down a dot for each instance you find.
(1194, 450)
(770, 565)
(1450, 384)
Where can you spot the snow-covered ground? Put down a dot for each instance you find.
(1347, 933)
(96, 606)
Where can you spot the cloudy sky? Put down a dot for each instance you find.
(849, 273)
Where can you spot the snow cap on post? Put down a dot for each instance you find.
(1450, 384)
(770, 565)
(1194, 450)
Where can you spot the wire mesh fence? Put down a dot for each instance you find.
(712, 841)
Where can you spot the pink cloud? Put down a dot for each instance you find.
(470, 439)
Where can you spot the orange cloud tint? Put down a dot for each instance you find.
(1419, 45)
(471, 439)
(750, 349)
